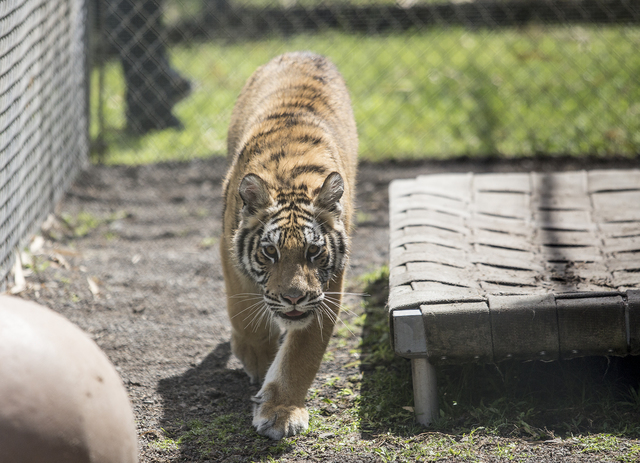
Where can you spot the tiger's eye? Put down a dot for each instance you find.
(313, 249)
(271, 251)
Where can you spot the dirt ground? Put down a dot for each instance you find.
(133, 260)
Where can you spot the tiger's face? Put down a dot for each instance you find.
(291, 246)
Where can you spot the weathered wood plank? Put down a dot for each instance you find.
(427, 202)
(425, 252)
(568, 238)
(503, 225)
(564, 220)
(591, 326)
(515, 205)
(626, 279)
(427, 271)
(524, 327)
(501, 240)
(560, 183)
(513, 183)
(553, 201)
(399, 239)
(456, 186)
(617, 206)
(489, 255)
(570, 253)
(400, 298)
(401, 187)
(459, 332)
(438, 216)
(430, 219)
(439, 290)
(629, 262)
(496, 289)
(622, 245)
(612, 180)
(507, 276)
(618, 230)
(429, 231)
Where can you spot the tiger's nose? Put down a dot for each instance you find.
(293, 296)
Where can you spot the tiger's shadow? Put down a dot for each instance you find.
(207, 412)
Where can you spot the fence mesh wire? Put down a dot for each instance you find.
(428, 78)
(43, 112)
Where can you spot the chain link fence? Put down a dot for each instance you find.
(428, 78)
(43, 112)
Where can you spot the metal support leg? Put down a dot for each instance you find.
(425, 394)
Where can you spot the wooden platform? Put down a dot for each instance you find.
(487, 267)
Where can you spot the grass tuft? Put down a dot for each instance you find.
(438, 93)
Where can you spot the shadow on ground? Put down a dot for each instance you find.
(207, 413)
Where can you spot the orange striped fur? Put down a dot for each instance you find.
(287, 215)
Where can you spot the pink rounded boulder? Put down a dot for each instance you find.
(61, 400)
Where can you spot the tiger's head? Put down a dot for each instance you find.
(291, 246)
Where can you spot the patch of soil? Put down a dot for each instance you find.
(144, 279)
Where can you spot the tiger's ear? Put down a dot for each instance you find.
(330, 193)
(254, 194)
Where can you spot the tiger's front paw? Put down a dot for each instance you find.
(278, 421)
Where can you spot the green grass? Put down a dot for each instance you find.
(531, 399)
(511, 411)
(436, 94)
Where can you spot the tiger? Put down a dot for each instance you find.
(288, 204)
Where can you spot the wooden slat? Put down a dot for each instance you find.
(503, 225)
(591, 326)
(430, 203)
(514, 183)
(425, 252)
(560, 183)
(400, 298)
(524, 327)
(626, 279)
(611, 180)
(442, 288)
(431, 219)
(452, 241)
(515, 205)
(499, 257)
(616, 230)
(618, 206)
(459, 332)
(505, 276)
(571, 254)
(439, 293)
(568, 238)
(501, 240)
(457, 186)
(436, 216)
(502, 290)
(401, 187)
(630, 261)
(622, 245)
(427, 271)
(564, 220)
(552, 201)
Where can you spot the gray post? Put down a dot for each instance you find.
(425, 393)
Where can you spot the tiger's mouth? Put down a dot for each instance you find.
(294, 315)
